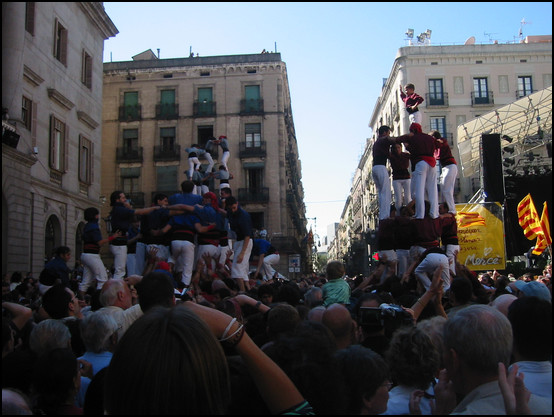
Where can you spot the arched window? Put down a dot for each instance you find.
(52, 237)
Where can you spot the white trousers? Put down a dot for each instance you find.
(182, 252)
(448, 180)
(451, 255)
(93, 270)
(425, 270)
(211, 250)
(402, 193)
(119, 260)
(194, 164)
(225, 158)
(425, 182)
(241, 270)
(415, 117)
(268, 271)
(140, 258)
(381, 178)
(210, 160)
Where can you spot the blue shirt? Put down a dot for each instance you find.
(241, 223)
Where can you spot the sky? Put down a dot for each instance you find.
(336, 54)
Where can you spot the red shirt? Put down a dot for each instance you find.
(422, 147)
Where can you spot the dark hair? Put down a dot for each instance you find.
(90, 214)
(62, 250)
(187, 186)
(155, 289)
(265, 289)
(114, 196)
(531, 320)
(48, 277)
(159, 196)
(56, 301)
(410, 85)
(364, 371)
(436, 134)
(167, 362)
(229, 201)
(462, 289)
(53, 379)
(384, 129)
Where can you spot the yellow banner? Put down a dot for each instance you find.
(481, 236)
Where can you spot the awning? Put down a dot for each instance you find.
(524, 124)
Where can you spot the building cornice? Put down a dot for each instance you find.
(97, 14)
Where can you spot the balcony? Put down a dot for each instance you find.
(251, 107)
(203, 108)
(436, 99)
(136, 199)
(286, 244)
(482, 99)
(524, 93)
(167, 111)
(130, 113)
(253, 195)
(128, 155)
(247, 150)
(167, 153)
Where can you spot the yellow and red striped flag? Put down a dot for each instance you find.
(545, 238)
(528, 218)
(467, 219)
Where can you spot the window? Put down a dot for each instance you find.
(86, 70)
(524, 86)
(439, 124)
(254, 178)
(60, 42)
(57, 144)
(436, 95)
(130, 140)
(166, 178)
(253, 135)
(130, 180)
(167, 139)
(167, 103)
(30, 17)
(130, 110)
(85, 160)
(252, 99)
(205, 105)
(27, 112)
(481, 91)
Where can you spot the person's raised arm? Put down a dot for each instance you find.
(20, 314)
(277, 390)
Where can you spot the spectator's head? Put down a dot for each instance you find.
(266, 293)
(282, 318)
(47, 279)
(460, 291)
(99, 332)
(502, 303)
(115, 292)
(533, 289)
(334, 270)
(59, 302)
(366, 376)
(313, 297)
(434, 328)
(115, 197)
(531, 319)
(413, 358)
(49, 334)
(15, 402)
(176, 353)
(316, 313)
(56, 379)
(338, 319)
(155, 289)
(476, 339)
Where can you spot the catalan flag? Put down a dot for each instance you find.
(528, 218)
(545, 238)
(467, 219)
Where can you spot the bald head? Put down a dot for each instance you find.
(337, 318)
(502, 302)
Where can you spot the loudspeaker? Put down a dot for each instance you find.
(493, 179)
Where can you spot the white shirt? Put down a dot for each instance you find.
(538, 377)
(399, 401)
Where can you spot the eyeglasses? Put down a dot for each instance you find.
(387, 384)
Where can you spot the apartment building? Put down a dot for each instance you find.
(51, 126)
(459, 83)
(156, 108)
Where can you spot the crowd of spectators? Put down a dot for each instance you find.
(327, 344)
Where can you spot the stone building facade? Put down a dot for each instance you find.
(156, 108)
(51, 126)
